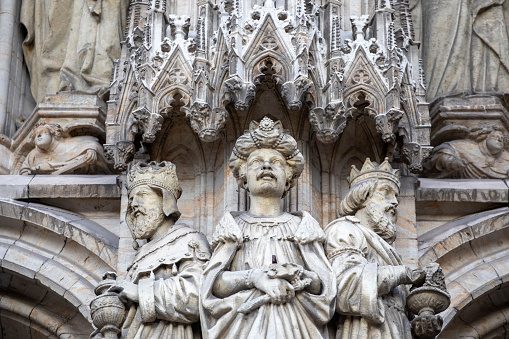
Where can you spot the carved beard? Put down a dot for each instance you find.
(381, 220)
(146, 222)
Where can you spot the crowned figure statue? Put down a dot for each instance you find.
(268, 276)
(371, 277)
(163, 281)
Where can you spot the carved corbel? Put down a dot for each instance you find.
(150, 123)
(386, 123)
(205, 121)
(297, 92)
(329, 122)
(121, 153)
(239, 93)
(414, 154)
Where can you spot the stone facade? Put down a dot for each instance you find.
(348, 80)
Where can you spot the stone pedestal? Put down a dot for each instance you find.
(467, 112)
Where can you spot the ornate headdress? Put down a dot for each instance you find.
(371, 170)
(267, 134)
(162, 175)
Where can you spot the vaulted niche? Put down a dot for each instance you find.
(200, 169)
(330, 163)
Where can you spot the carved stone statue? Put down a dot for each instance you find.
(268, 276)
(71, 44)
(482, 156)
(162, 290)
(466, 46)
(370, 274)
(57, 154)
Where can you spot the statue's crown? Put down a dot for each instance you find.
(162, 175)
(371, 170)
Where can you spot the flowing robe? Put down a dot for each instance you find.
(68, 156)
(247, 242)
(71, 44)
(167, 271)
(467, 159)
(370, 300)
(465, 46)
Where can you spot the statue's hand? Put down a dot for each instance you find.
(280, 291)
(43, 167)
(415, 277)
(426, 326)
(127, 291)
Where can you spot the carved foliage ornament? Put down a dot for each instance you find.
(120, 153)
(329, 122)
(207, 122)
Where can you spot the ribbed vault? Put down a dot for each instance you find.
(51, 259)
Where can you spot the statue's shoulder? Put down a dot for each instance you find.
(309, 229)
(227, 230)
(349, 225)
(194, 238)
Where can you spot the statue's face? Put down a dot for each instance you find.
(146, 211)
(266, 173)
(495, 142)
(380, 207)
(43, 138)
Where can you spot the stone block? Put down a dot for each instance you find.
(463, 190)
(11, 208)
(23, 261)
(459, 295)
(57, 277)
(15, 186)
(480, 280)
(501, 266)
(74, 186)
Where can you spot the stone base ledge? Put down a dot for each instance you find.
(462, 190)
(59, 186)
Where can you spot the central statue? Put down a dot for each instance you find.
(268, 276)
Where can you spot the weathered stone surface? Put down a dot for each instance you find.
(288, 267)
(462, 190)
(56, 153)
(366, 266)
(471, 57)
(77, 53)
(482, 156)
(165, 273)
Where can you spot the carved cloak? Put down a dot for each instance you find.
(368, 271)
(465, 46)
(241, 245)
(71, 44)
(167, 271)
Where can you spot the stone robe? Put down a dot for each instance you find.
(370, 300)
(467, 159)
(71, 44)
(167, 271)
(67, 156)
(465, 46)
(247, 242)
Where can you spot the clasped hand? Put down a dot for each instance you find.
(277, 281)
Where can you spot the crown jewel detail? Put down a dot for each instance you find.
(371, 170)
(162, 175)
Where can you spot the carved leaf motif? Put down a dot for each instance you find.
(330, 122)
